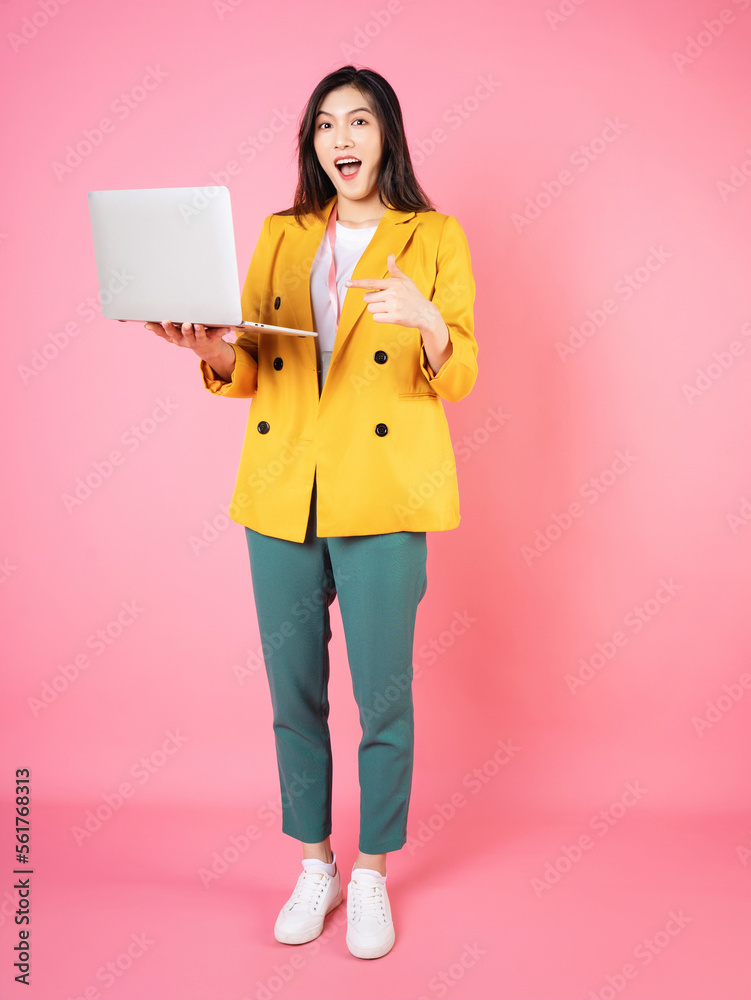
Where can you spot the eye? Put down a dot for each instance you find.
(363, 120)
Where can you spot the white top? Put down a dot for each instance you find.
(350, 244)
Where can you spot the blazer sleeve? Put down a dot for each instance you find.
(454, 295)
(244, 378)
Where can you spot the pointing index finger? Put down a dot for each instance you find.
(370, 282)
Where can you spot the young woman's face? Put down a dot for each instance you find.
(347, 128)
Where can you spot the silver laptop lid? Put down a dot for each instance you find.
(166, 253)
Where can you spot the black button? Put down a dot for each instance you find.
(381, 430)
(264, 427)
(380, 357)
(278, 363)
(277, 302)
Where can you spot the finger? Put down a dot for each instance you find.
(186, 334)
(202, 333)
(393, 266)
(370, 282)
(168, 330)
(209, 332)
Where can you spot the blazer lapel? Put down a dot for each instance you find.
(392, 235)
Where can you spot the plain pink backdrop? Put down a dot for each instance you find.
(644, 108)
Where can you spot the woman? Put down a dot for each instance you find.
(347, 463)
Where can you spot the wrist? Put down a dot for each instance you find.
(222, 353)
(433, 329)
(435, 339)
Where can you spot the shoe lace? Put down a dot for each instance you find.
(368, 902)
(309, 890)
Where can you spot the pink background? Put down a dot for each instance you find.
(496, 900)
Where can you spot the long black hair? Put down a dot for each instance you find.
(397, 185)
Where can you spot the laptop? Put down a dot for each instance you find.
(169, 253)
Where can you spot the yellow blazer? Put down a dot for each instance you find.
(376, 441)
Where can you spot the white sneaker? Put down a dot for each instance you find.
(370, 929)
(302, 916)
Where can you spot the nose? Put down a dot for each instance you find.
(342, 133)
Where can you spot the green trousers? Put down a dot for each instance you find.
(379, 581)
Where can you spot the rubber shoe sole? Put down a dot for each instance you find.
(362, 951)
(303, 936)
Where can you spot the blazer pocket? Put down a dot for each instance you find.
(418, 395)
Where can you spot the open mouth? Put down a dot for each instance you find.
(349, 167)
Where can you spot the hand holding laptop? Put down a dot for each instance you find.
(170, 251)
(205, 341)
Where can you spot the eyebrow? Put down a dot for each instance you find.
(348, 112)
